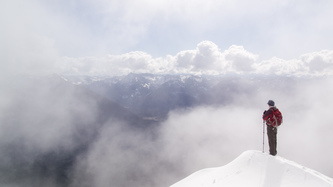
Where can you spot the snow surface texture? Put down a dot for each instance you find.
(257, 169)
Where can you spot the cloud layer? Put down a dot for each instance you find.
(207, 58)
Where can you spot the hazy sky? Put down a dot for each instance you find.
(104, 36)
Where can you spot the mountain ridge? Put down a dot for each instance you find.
(254, 168)
(154, 95)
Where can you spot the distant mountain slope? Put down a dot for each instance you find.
(150, 95)
(256, 169)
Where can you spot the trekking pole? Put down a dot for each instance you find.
(263, 136)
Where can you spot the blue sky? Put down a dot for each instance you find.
(41, 31)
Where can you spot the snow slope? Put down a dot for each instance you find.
(257, 169)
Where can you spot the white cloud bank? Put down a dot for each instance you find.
(207, 58)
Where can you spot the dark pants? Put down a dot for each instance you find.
(271, 133)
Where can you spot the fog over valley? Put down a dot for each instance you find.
(57, 133)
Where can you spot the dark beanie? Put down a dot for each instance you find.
(271, 103)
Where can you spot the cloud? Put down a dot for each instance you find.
(207, 58)
(120, 157)
(210, 136)
(43, 115)
(132, 62)
(319, 62)
(310, 64)
(277, 66)
(23, 50)
(240, 59)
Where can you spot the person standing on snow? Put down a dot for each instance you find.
(273, 118)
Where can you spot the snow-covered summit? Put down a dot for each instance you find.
(257, 169)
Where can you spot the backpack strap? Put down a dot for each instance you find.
(276, 122)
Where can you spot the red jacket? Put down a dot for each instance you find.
(268, 114)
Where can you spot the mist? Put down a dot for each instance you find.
(209, 136)
(57, 134)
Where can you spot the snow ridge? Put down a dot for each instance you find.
(257, 169)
